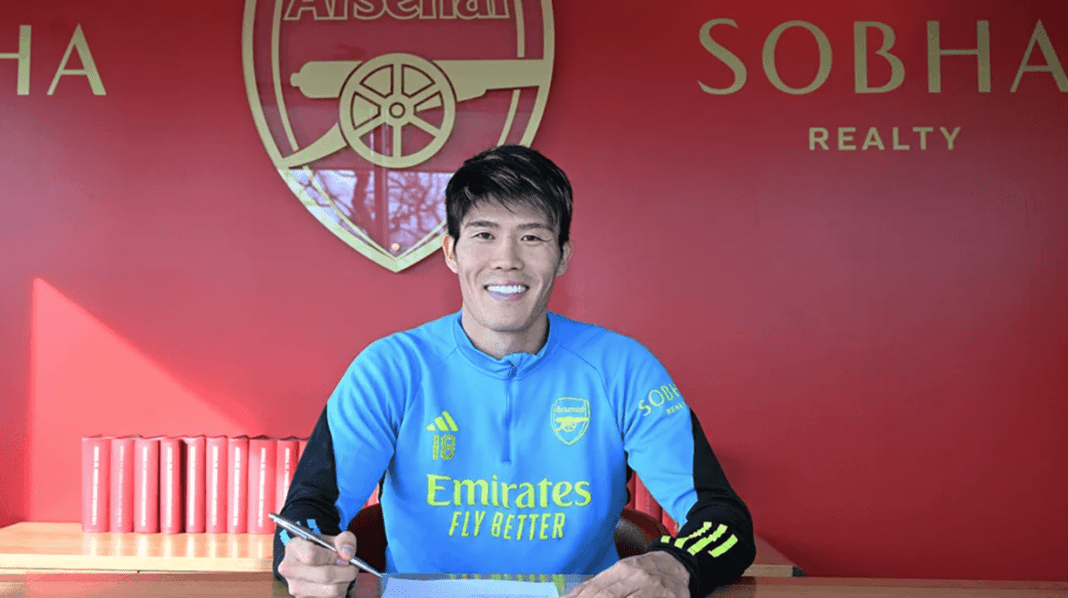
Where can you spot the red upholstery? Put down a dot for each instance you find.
(635, 530)
(370, 534)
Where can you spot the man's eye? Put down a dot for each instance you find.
(483, 235)
(532, 238)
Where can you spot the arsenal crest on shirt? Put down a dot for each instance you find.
(569, 417)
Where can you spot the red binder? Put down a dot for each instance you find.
(237, 485)
(193, 479)
(146, 485)
(96, 484)
(285, 466)
(216, 472)
(262, 457)
(170, 485)
(122, 485)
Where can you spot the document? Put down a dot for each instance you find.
(467, 588)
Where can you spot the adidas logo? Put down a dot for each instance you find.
(443, 423)
(702, 542)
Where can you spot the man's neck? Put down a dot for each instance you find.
(499, 344)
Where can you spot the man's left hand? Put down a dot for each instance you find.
(654, 574)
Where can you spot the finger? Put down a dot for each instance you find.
(322, 574)
(345, 544)
(307, 553)
(599, 585)
(598, 590)
(589, 588)
(632, 577)
(322, 580)
(311, 571)
(302, 589)
(577, 591)
(301, 551)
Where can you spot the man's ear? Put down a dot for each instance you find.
(565, 257)
(448, 247)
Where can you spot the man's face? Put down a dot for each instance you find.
(507, 259)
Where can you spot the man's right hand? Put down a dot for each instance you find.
(315, 572)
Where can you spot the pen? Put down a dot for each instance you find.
(313, 537)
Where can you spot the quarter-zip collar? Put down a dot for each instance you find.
(511, 365)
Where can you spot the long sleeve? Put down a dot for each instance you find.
(716, 541)
(313, 491)
(350, 446)
(667, 448)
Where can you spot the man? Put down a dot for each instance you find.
(505, 431)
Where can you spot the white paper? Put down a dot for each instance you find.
(467, 588)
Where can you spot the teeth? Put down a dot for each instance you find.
(505, 289)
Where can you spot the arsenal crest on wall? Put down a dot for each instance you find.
(366, 107)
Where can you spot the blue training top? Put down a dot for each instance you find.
(519, 464)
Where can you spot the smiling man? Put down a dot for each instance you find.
(504, 432)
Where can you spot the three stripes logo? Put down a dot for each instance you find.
(700, 540)
(444, 442)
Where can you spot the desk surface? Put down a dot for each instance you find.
(31, 546)
(263, 585)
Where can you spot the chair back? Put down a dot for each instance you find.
(635, 530)
(370, 532)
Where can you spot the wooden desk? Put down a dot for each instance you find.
(263, 585)
(58, 547)
(31, 546)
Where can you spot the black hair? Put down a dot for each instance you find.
(510, 175)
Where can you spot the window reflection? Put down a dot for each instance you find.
(394, 211)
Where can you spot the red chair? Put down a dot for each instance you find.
(634, 532)
(370, 532)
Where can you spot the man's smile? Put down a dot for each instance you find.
(507, 258)
(506, 292)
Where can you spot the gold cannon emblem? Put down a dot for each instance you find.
(570, 418)
(366, 110)
(568, 423)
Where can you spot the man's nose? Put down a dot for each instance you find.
(507, 256)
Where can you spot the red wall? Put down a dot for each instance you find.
(875, 341)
